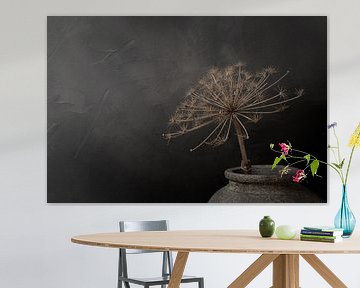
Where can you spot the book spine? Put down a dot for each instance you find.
(320, 233)
(318, 236)
(317, 239)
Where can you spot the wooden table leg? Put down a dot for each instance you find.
(286, 271)
(293, 261)
(324, 271)
(253, 270)
(178, 269)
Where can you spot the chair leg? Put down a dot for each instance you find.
(165, 267)
(201, 283)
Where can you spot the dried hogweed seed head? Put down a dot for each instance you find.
(226, 97)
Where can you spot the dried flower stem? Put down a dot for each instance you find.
(245, 162)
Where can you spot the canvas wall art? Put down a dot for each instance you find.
(184, 109)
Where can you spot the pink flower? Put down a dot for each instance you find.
(299, 176)
(285, 148)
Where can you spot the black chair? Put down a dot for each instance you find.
(167, 262)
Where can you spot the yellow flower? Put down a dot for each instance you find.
(355, 138)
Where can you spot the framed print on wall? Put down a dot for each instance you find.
(183, 109)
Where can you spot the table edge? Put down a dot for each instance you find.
(203, 250)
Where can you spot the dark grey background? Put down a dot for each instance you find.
(113, 83)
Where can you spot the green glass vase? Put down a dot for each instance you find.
(266, 227)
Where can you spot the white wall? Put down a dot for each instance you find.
(35, 248)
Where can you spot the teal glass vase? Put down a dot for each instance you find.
(345, 219)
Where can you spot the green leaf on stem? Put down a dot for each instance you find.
(271, 146)
(277, 160)
(342, 163)
(314, 166)
(307, 157)
(339, 166)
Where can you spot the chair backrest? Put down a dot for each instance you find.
(134, 226)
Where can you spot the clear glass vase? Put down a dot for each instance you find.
(345, 219)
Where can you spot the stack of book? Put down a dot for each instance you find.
(321, 234)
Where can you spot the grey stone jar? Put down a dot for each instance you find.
(264, 185)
